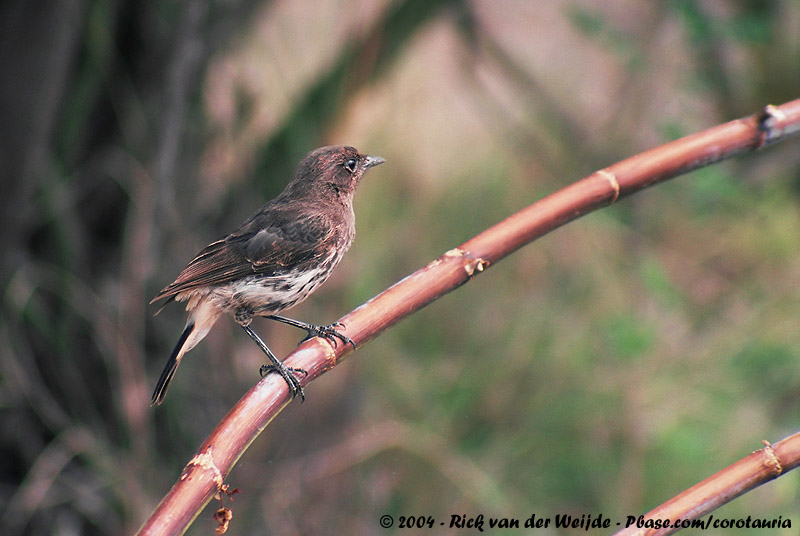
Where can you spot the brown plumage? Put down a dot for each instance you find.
(279, 256)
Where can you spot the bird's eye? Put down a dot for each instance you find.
(350, 165)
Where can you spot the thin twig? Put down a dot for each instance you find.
(738, 478)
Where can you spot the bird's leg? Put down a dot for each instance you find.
(329, 331)
(287, 373)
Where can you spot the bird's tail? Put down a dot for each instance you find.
(171, 366)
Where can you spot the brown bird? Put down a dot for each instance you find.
(275, 260)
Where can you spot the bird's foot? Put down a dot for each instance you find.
(329, 332)
(289, 375)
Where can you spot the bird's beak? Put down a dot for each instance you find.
(371, 161)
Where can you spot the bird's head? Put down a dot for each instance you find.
(333, 170)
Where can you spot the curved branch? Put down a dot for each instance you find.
(738, 478)
(203, 476)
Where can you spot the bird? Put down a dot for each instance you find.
(273, 261)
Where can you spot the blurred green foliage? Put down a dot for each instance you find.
(603, 369)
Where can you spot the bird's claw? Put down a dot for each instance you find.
(289, 375)
(330, 333)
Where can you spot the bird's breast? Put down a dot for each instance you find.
(270, 294)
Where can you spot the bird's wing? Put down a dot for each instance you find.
(269, 243)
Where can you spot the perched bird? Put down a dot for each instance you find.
(279, 256)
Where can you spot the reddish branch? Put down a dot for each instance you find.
(203, 475)
(761, 466)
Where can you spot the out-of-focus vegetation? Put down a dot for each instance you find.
(602, 369)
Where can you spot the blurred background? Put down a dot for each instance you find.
(600, 370)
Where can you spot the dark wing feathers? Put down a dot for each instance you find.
(267, 244)
(217, 263)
